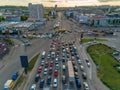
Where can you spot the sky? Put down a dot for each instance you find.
(60, 3)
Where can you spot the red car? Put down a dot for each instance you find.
(40, 69)
(56, 73)
(51, 63)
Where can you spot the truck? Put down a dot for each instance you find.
(71, 72)
(8, 84)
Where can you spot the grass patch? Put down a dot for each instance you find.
(101, 55)
(11, 42)
(85, 40)
(19, 82)
(32, 62)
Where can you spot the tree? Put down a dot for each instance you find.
(23, 18)
(2, 19)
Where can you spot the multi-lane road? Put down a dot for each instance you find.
(11, 63)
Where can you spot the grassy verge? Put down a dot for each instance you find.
(107, 73)
(11, 42)
(85, 40)
(32, 62)
(22, 77)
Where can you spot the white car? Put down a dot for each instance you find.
(81, 67)
(55, 83)
(45, 71)
(88, 64)
(85, 85)
(33, 87)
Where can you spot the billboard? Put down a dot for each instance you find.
(24, 61)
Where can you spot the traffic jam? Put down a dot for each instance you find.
(60, 68)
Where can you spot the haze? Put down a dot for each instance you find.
(60, 3)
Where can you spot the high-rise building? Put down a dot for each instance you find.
(36, 11)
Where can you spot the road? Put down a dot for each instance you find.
(11, 63)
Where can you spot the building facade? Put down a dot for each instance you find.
(36, 11)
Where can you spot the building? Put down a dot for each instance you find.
(36, 12)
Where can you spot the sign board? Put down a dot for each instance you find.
(24, 61)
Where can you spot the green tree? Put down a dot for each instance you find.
(23, 18)
(2, 19)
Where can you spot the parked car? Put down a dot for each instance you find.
(41, 83)
(76, 75)
(46, 64)
(51, 63)
(37, 77)
(55, 84)
(56, 73)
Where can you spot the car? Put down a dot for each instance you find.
(45, 71)
(88, 64)
(51, 63)
(50, 70)
(63, 79)
(56, 62)
(55, 84)
(78, 83)
(37, 77)
(48, 80)
(46, 64)
(84, 75)
(85, 86)
(39, 69)
(81, 68)
(41, 83)
(63, 59)
(57, 66)
(33, 87)
(77, 57)
(56, 73)
(73, 62)
(87, 60)
(63, 67)
(79, 62)
(76, 75)
(75, 68)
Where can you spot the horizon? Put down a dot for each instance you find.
(59, 3)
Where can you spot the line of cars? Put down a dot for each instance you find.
(72, 55)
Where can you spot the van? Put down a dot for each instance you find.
(55, 83)
(78, 83)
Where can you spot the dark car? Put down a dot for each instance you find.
(48, 80)
(41, 83)
(63, 79)
(75, 68)
(78, 83)
(50, 71)
(84, 75)
(37, 77)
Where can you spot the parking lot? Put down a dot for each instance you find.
(53, 71)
